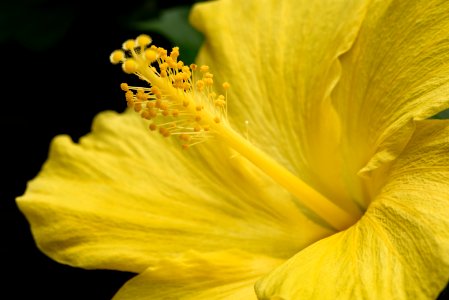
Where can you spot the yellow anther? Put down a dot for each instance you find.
(208, 75)
(212, 95)
(163, 73)
(177, 84)
(146, 115)
(226, 85)
(152, 127)
(130, 66)
(150, 104)
(165, 112)
(143, 40)
(208, 81)
(175, 113)
(193, 67)
(199, 107)
(220, 103)
(137, 107)
(200, 85)
(163, 106)
(129, 95)
(155, 90)
(185, 103)
(129, 45)
(164, 131)
(197, 128)
(178, 77)
(186, 86)
(217, 120)
(150, 55)
(172, 63)
(163, 66)
(117, 56)
(174, 53)
(152, 113)
(204, 69)
(186, 69)
(206, 127)
(124, 87)
(141, 96)
(184, 137)
(179, 65)
(197, 118)
(186, 75)
(162, 52)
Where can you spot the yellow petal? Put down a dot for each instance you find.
(281, 58)
(397, 71)
(123, 198)
(398, 250)
(193, 275)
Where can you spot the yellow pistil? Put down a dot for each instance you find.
(181, 102)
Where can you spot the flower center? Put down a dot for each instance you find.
(181, 101)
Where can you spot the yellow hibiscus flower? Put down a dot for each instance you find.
(336, 189)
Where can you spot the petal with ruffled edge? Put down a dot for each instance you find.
(192, 275)
(400, 247)
(123, 198)
(396, 72)
(281, 58)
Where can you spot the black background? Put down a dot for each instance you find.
(50, 91)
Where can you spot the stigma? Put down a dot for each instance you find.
(179, 100)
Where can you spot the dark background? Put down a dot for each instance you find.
(56, 77)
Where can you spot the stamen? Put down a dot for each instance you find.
(174, 92)
(181, 102)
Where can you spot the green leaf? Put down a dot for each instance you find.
(173, 23)
(442, 115)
